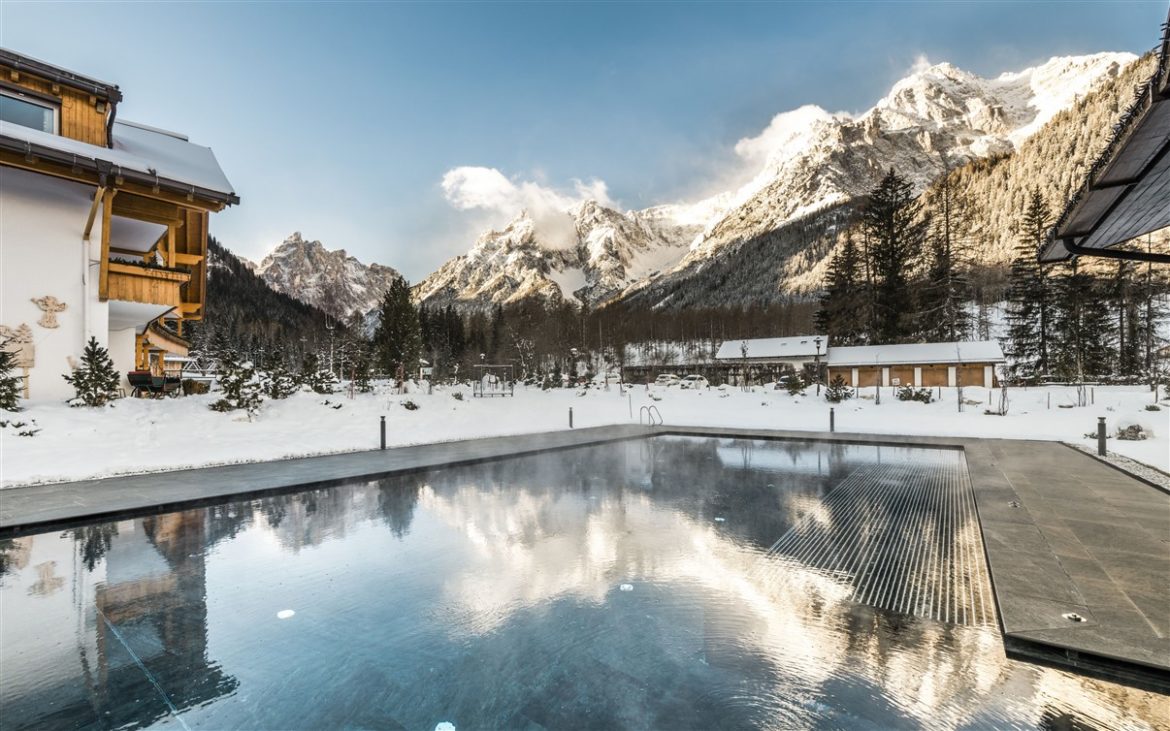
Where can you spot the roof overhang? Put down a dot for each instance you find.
(1127, 192)
(94, 170)
(58, 75)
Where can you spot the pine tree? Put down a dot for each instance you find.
(95, 380)
(895, 232)
(10, 385)
(1030, 294)
(1125, 293)
(397, 340)
(1082, 325)
(317, 379)
(842, 305)
(942, 312)
(239, 385)
(278, 382)
(360, 370)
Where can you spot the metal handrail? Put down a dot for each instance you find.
(652, 413)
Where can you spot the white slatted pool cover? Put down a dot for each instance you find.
(904, 537)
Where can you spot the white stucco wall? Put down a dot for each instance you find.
(122, 353)
(41, 253)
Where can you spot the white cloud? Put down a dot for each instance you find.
(786, 132)
(487, 189)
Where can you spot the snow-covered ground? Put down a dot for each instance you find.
(138, 435)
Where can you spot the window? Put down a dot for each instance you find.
(28, 112)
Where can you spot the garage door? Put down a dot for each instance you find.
(869, 377)
(934, 375)
(902, 376)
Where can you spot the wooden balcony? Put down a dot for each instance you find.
(133, 283)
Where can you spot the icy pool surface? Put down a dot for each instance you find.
(670, 583)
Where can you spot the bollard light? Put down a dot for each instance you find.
(383, 433)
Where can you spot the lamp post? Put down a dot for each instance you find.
(817, 342)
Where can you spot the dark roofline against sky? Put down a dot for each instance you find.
(59, 75)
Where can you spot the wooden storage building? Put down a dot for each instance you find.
(922, 365)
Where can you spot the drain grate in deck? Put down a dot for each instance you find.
(904, 536)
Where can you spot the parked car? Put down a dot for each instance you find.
(666, 379)
(693, 381)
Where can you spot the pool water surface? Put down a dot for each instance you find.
(667, 583)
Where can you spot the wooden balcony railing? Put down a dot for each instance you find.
(133, 283)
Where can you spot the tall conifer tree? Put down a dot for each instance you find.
(896, 233)
(1029, 310)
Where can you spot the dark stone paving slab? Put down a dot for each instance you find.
(1062, 532)
(30, 509)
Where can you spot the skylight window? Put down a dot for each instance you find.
(28, 112)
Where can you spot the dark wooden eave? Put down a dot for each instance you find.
(58, 75)
(1127, 191)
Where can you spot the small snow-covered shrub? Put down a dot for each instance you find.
(191, 387)
(95, 381)
(458, 395)
(410, 405)
(1153, 407)
(22, 428)
(240, 386)
(278, 383)
(320, 381)
(909, 393)
(795, 385)
(837, 391)
(1132, 433)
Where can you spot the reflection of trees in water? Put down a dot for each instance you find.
(94, 541)
(397, 498)
(9, 555)
(227, 521)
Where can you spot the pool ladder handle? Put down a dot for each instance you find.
(653, 415)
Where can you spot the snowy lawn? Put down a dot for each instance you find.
(139, 435)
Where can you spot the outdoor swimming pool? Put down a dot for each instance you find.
(673, 582)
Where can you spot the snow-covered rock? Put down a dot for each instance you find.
(611, 251)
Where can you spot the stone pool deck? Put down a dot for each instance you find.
(1064, 533)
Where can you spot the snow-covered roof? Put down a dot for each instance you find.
(139, 151)
(800, 346)
(980, 351)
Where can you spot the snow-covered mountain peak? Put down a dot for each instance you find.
(332, 281)
(806, 161)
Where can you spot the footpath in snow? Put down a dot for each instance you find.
(141, 435)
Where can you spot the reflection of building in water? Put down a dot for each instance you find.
(139, 608)
(154, 605)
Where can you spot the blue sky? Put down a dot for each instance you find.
(341, 119)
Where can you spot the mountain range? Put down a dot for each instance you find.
(770, 237)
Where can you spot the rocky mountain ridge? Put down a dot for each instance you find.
(331, 281)
(812, 165)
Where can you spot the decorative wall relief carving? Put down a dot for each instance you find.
(51, 306)
(19, 340)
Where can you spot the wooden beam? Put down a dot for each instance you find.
(104, 262)
(169, 253)
(188, 260)
(97, 197)
(139, 208)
